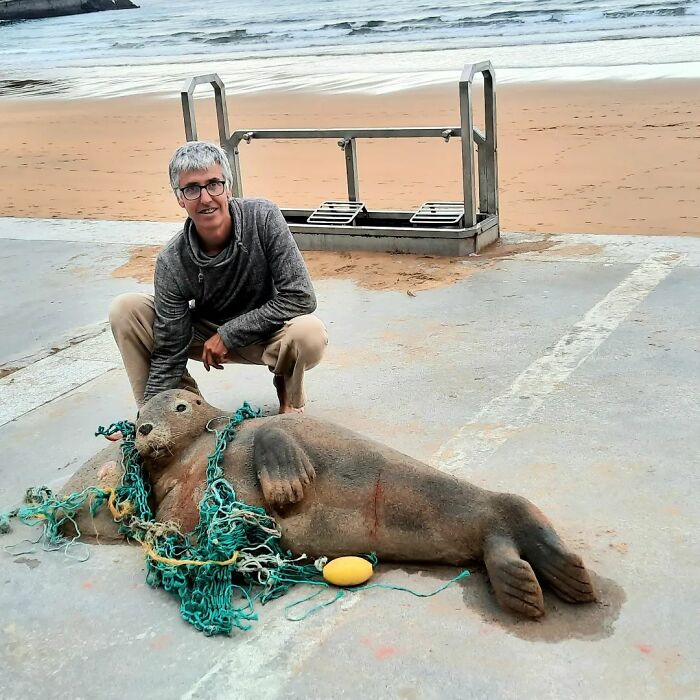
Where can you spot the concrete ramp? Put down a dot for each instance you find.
(563, 368)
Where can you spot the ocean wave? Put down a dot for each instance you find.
(518, 14)
(177, 35)
(425, 21)
(127, 45)
(651, 12)
(226, 37)
(337, 25)
(213, 22)
(652, 5)
(367, 27)
(34, 88)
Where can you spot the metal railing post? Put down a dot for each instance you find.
(466, 120)
(350, 149)
(491, 155)
(187, 99)
(487, 149)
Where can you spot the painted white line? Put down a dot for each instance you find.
(513, 409)
(88, 231)
(56, 375)
(267, 657)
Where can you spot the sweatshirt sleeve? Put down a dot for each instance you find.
(294, 291)
(172, 328)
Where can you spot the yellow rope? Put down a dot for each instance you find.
(127, 509)
(118, 513)
(148, 548)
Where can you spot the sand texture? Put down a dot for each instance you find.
(395, 271)
(590, 158)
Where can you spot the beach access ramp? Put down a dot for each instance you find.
(563, 368)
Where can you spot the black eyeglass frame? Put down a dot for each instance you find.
(217, 184)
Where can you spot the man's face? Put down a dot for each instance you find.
(208, 211)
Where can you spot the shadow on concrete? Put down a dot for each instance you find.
(561, 622)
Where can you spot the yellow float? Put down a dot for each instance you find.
(347, 571)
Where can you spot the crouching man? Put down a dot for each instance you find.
(232, 286)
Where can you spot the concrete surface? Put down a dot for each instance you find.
(568, 375)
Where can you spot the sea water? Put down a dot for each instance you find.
(360, 45)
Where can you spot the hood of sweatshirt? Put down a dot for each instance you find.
(194, 248)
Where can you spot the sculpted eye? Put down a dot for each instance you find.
(181, 407)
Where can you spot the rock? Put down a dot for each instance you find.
(38, 9)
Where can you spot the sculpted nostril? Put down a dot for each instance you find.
(145, 428)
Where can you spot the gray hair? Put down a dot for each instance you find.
(198, 155)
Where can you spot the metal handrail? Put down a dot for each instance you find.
(354, 133)
(186, 95)
(487, 152)
(485, 141)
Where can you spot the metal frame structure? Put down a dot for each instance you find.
(435, 228)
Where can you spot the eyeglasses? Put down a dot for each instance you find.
(214, 188)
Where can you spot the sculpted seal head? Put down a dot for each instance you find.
(334, 492)
(169, 423)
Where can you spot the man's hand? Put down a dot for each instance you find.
(214, 352)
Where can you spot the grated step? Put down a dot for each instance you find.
(438, 214)
(336, 212)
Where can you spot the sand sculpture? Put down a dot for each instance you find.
(334, 492)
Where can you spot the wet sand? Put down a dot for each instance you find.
(394, 271)
(598, 157)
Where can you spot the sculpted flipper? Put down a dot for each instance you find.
(283, 468)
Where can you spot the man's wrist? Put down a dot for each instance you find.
(221, 332)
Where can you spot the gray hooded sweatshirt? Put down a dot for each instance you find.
(248, 290)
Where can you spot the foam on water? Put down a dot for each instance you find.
(371, 46)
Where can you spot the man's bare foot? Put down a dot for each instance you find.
(290, 409)
(285, 406)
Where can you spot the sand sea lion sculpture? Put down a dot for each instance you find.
(334, 492)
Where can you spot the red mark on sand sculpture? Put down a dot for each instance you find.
(378, 497)
(644, 648)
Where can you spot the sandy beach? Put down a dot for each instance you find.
(598, 157)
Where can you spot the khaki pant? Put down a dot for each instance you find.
(297, 346)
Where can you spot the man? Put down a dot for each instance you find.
(231, 286)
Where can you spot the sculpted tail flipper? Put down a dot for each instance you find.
(283, 468)
(561, 568)
(526, 546)
(513, 580)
